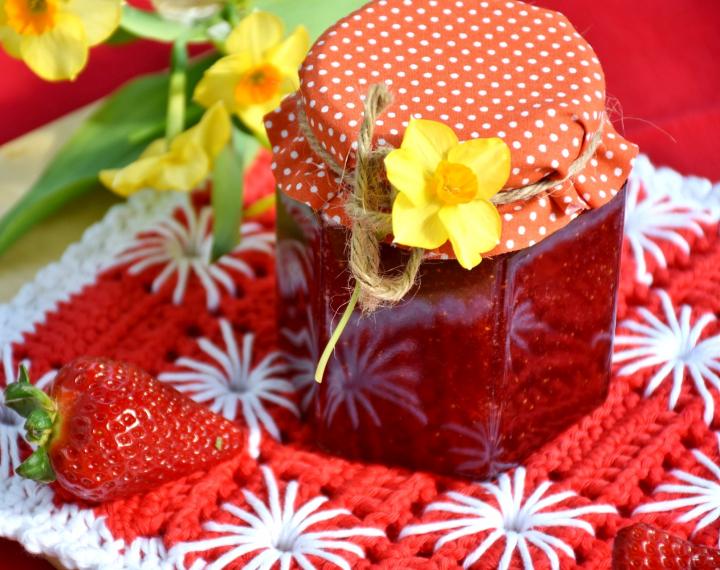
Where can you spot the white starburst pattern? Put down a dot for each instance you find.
(304, 358)
(524, 322)
(11, 423)
(485, 451)
(278, 532)
(186, 248)
(518, 522)
(702, 496)
(692, 192)
(233, 383)
(657, 217)
(674, 346)
(365, 367)
(295, 267)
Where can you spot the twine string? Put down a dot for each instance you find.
(369, 203)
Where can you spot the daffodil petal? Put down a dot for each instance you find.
(135, 176)
(211, 134)
(489, 159)
(429, 141)
(183, 169)
(417, 226)
(219, 81)
(255, 35)
(473, 228)
(254, 116)
(156, 148)
(407, 175)
(100, 17)
(59, 53)
(288, 55)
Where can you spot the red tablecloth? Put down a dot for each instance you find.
(660, 57)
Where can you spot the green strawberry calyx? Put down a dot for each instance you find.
(40, 413)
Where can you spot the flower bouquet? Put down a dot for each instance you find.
(199, 124)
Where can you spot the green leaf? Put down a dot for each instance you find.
(315, 15)
(112, 137)
(227, 193)
(150, 25)
(121, 37)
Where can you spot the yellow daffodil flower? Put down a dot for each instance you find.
(182, 165)
(53, 36)
(444, 188)
(261, 69)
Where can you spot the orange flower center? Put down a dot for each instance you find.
(454, 183)
(31, 17)
(258, 85)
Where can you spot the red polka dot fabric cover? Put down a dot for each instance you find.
(650, 453)
(486, 69)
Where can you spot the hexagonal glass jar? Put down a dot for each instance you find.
(474, 369)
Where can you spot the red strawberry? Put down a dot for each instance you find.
(641, 546)
(109, 430)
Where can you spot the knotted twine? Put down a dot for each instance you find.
(370, 201)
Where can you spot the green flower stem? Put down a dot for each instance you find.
(177, 90)
(233, 12)
(332, 343)
(228, 179)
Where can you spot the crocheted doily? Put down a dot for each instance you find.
(139, 287)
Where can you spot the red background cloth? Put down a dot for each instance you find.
(660, 57)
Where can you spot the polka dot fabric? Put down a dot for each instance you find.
(487, 69)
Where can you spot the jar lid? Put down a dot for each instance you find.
(486, 69)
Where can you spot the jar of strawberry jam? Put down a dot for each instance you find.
(449, 227)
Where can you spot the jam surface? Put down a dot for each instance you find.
(474, 369)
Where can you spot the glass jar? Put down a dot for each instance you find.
(473, 369)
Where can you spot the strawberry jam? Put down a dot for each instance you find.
(474, 369)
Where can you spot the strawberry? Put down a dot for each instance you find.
(109, 430)
(641, 546)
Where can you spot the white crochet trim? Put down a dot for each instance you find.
(82, 261)
(672, 202)
(77, 537)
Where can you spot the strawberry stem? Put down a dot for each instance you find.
(40, 413)
(37, 467)
(24, 398)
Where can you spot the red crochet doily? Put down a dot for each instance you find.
(649, 453)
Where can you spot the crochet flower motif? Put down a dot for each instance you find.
(303, 361)
(232, 383)
(691, 192)
(294, 258)
(675, 347)
(277, 532)
(185, 248)
(11, 423)
(485, 450)
(519, 522)
(657, 217)
(701, 496)
(524, 323)
(360, 373)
